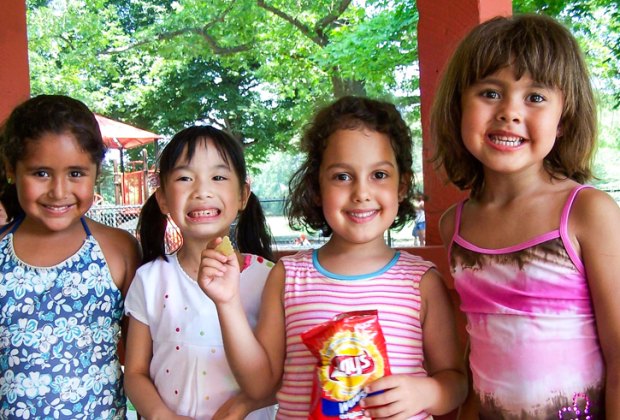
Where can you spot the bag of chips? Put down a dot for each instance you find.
(350, 351)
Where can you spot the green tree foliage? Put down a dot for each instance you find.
(258, 68)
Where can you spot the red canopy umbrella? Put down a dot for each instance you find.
(118, 135)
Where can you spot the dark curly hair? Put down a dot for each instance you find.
(32, 119)
(350, 112)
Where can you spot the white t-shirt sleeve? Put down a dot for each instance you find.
(135, 301)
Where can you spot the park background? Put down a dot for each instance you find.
(259, 69)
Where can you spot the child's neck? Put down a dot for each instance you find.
(42, 247)
(345, 258)
(510, 187)
(189, 257)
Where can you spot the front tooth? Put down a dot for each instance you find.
(204, 213)
(508, 139)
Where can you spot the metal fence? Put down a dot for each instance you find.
(124, 217)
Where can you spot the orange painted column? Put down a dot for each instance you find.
(442, 24)
(14, 71)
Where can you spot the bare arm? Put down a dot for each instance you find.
(445, 387)
(250, 354)
(138, 384)
(595, 219)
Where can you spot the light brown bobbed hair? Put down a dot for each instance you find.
(534, 44)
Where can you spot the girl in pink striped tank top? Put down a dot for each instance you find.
(535, 254)
(355, 183)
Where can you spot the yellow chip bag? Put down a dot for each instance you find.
(350, 351)
(225, 247)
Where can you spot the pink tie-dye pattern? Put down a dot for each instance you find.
(531, 325)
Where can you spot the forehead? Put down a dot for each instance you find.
(358, 147)
(201, 150)
(56, 149)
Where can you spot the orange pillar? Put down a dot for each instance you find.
(14, 72)
(442, 24)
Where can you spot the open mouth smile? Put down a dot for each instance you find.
(506, 141)
(361, 216)
(204, 213)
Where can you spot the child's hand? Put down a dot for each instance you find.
(239, 406)
(218, 274)
(235, 407)
(403, 397)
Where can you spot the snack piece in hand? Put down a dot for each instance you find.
(225, 247)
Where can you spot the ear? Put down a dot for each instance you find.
(317, 200)
(245, 196)
(9, 171)
(560, 131)
(161, 201)
(403, 186)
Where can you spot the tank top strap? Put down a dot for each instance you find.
(13, 225)
(457, 226)
(574, 256)
(18, 221)
(457, 218)
(85, 225)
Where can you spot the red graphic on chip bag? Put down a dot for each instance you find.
(350, 365)
(350, 352)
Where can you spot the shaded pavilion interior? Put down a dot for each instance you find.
(442, 24)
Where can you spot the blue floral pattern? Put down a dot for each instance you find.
(59, 328)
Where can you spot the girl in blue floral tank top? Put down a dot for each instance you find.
(62, 276)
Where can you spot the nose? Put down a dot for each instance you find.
(509, 111)
(203, 189)
(361, 191)
(58, 188)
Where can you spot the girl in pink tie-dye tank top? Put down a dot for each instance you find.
(535, 254)
(355, 183)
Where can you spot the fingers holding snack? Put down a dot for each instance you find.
(218, 273)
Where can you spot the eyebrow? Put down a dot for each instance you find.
(50, 168)
(494, 81)
(347, 166)
(186, 166)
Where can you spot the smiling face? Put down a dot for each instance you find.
(510, 125)
(55, 181)
(202, 196)
(360, 185)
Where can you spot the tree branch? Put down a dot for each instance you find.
(332, 17)
(307, 31)
(210, 40)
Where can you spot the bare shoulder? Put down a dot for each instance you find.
(447, 223)
(433, 291)
(593, 208)
(275, 281)
(110, 237)
(121, 251)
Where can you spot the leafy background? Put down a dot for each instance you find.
(260, 68)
